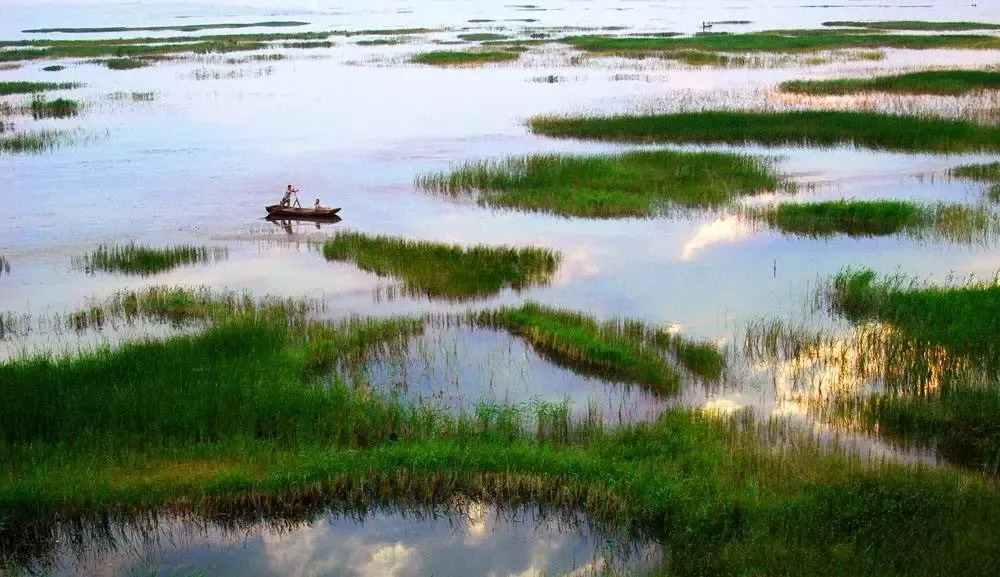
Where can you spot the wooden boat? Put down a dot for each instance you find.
(276, 210)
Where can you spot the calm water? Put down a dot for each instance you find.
(353, 125)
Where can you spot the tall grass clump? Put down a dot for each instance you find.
(19, 87)
(4, 265)
(636, 184)
(437, 270)
(58, 108)
(138, 259)
(618, 351)
(460, 58)
(914, 25)
(126, 63)
(482, 37)
(793, 128)
(988, 172)
(951, 222)
(32, 142)
(943, 82)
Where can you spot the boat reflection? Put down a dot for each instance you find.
(292, 225)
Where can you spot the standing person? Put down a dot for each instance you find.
(286, 200)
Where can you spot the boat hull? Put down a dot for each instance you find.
(276, 210)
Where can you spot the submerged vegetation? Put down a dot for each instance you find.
(949, 82)
(457, 58)
(794, 128)
(436, 270)
(643, 183)
(138, 259)
(19, 87)
(953, 222)
(989, 173)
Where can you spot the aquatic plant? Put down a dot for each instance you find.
(458, 58)
(4, 265)
(482, 36)
(180, 28)
(58, 108)
(309, 44)
(951, 82)
(20, 87)
(989, 172)
(53, 68)
(383, 41)
(914, 25)
(437, 270)
(138, 259)
(33, 142)
(791, 128)
(126, 63)
(645, 183)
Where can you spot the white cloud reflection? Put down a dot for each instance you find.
(726, 229)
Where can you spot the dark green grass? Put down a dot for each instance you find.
(989, 172)
(796, 128)
(182, 28)
(946, 82)
(53, 68)
(644, 183)
(142, 260)
(482, 36)
(459, 58)
(915, 25)
(442, 271)
(309, 44)
(4, 265)
(58, 108)
(33, 142)
(953, 222)
(385, 32)
(126, 63)
(383, 41)
(33, 87)
(618, 351)
(778, 41)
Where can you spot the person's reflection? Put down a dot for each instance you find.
(287, 225)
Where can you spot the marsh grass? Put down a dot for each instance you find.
(19, 87)
(779, 41)
(634, 184)
(988, 172)
(461, 58)
(482, 36)
(126, 63)
(789, 128)
(940, 221)
(144, 260)
(949, 82)
(53, 68)
(914, 25)
(442, 271)
(182, 28)
(383, 41)
(620, 351)
(33, 142)
(309, 44)
(4, 267)
(58, 108)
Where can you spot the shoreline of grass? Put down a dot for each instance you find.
(138, 259)
(443, 271)
(913, 25)
(795, 128)
(940, 82)
(461, 58)
(632, 184)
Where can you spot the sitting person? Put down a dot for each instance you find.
(316, 205)
(286, 200)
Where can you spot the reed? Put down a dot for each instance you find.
(636, 184)
(33, 142)
(617, 351)
(482, 37)
(144, 260)
(778, 41)
(53, 68)
(460, 58)
(309, 44)
(942, 82)
(126, 63)
(58, 108)
(442, 271)
(989, 173)
(915, 25)
(949, 222)
(4, 265)
(791, 128)
(383, 41)
(20, 87)
(182, 28)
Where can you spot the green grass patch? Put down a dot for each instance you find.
(182, 28)
(33, 142)
(989, 172)
(914, 25)
(946, 82)
(955, 222)
(53, 68)
(795, 128)
(309, 44)
(143, 260)
(33, 87)
(646, 183)
(58, 108)
(459, 58)
(778, 41)
(126, 63)
(436, 270)
(383, 41)
(482, 36)
(618, 351)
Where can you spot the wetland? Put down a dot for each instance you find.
(616, 289)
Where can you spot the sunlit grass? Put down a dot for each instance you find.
(792, 128)
(458, 58)
(949, 82)
(646, 183)
(138, 259)
(437, 270)
(19, 87)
